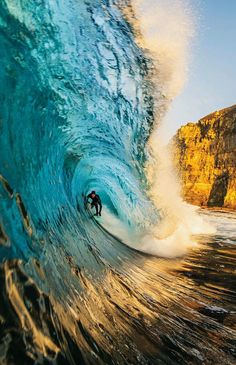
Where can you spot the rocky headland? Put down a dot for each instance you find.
(205, 156)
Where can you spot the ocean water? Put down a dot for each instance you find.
(80, 98)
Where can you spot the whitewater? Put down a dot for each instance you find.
(85, 87)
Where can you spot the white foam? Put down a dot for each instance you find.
(166, 27)
(159, 240)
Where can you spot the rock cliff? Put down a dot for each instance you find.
(205, 155)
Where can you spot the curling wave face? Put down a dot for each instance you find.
(78, 109)
(76, 113)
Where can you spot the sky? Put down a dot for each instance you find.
(211, 83)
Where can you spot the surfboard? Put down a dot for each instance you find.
(92, 213)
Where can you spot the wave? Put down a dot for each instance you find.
(81, 96)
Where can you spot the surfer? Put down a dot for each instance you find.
(96, 202)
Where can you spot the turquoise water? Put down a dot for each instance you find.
(76, 113)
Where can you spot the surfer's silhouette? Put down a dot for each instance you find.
(96, 202)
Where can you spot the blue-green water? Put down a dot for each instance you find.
(76, 111)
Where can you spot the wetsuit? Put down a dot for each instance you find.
(96, 202)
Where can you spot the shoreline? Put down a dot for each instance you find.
(218, 209)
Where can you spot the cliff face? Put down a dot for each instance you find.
(205, 155)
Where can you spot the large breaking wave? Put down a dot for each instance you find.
(80, 96)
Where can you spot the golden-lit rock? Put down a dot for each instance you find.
(205, 155)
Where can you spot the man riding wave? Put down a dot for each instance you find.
(96, 202)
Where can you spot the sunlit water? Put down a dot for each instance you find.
(76, 112)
